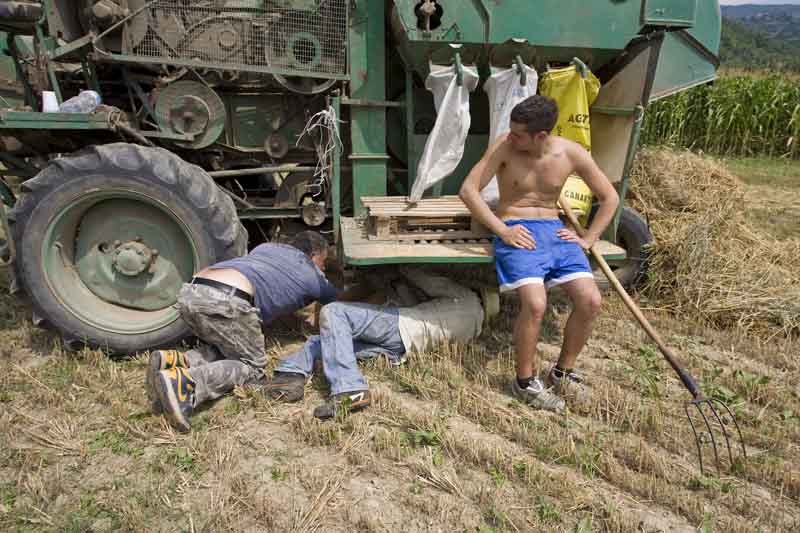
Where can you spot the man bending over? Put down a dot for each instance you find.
(533, 249)
(351, 331)
(225, 305)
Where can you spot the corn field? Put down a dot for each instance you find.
(734, 116)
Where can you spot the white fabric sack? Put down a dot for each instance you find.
(444, 147)
(505, 90)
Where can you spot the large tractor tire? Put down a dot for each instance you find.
(106, 237)
(633, 235)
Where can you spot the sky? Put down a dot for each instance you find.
(758, 2)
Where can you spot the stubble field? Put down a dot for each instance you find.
(444, 447)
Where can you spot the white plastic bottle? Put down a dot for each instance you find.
(85, 102)
(49, 102)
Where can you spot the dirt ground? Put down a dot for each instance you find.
(444, 447)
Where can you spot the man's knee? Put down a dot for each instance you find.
(329, 311)
(533, 308)
(590, 302)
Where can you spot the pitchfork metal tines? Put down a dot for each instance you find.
(713, 420)
(706, 436)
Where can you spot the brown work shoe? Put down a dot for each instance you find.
(284, 387)
(347, 402)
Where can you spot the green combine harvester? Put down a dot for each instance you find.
(225, 123)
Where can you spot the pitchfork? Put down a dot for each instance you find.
(706, 407)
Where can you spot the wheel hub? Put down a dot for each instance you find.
(132, 258)
(132, 254)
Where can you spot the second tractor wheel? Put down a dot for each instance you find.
(633, 235)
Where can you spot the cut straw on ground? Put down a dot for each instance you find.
(707, 261)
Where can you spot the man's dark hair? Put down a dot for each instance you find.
(310, 243)
(537, 113)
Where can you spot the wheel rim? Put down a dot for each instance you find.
(116, 260)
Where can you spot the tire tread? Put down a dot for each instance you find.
(184, 180)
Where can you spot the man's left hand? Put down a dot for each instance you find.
(584, 242)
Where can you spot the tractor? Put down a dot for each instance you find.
(226, 123)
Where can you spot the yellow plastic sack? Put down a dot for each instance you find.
(574, 94)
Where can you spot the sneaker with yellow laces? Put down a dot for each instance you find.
(176, 391)
(161, 360)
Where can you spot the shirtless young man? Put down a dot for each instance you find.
(533, 249)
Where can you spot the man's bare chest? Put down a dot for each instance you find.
(523, 176)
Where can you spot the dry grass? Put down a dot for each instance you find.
(443, 447)
(621, 454)
(708, 261)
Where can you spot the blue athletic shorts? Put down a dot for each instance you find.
(554, 261)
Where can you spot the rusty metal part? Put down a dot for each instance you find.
(427, 10)
(189, 114)
(314, 214)
(20, 12)
(107, 12)
(132, 258)
(276, 146)
(191, 107)
(293, 189)
(301, 50)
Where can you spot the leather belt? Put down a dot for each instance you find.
(230, 290)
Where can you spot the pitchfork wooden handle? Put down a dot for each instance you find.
(684, 376)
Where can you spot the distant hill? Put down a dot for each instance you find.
(780, 22)
(761, 37)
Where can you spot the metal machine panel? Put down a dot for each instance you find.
(567, 23)
(707, 26)
(691, 56)
(684, 65)
(287, 38)
(548, 23)
(670, 12)
(543, 31)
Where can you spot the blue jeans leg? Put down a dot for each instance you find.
(347, 328)
(302, 361)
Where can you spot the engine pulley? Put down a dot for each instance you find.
(190, 107)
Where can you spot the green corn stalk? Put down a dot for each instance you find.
(742, 115)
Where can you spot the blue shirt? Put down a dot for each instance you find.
(284, 279)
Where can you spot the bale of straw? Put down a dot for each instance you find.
(707, 261)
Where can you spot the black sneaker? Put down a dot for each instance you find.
(161, 360)
(537, 396)
(347, 402)
(175, 388)
(284, 387)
